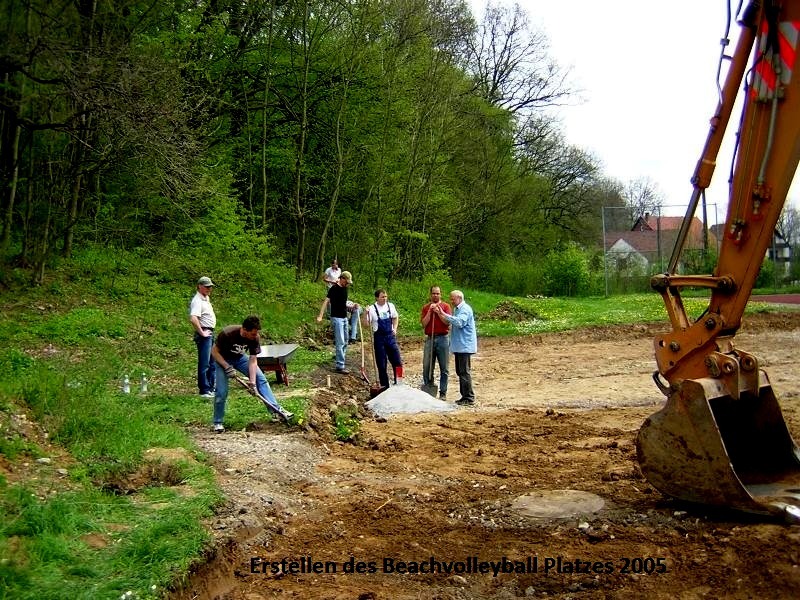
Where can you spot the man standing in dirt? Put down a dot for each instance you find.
(463, 342)
(330, 277)
(237, 349)
(382, 317)
(436, 329)
(203, 319)
(337, 299)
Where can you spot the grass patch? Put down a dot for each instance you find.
(90, 544)
(526, 316)
(346, 422)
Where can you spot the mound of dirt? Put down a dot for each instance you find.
(508, 310)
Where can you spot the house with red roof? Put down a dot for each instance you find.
(648, 246)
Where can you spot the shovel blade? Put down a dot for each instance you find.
(708, 448)
(429, 389)
(376, 389)
(277, 409)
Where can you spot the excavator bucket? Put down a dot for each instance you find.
(709, 448)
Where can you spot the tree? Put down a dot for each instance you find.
(789, 225)
(97, 103)
(642, 197)
(511, 65)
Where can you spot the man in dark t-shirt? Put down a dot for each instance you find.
(337, 299)
(236, 349)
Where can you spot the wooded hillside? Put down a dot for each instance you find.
(402, 136)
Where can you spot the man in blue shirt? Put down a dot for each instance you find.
(463, 343)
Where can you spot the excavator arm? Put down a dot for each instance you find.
(721, 438)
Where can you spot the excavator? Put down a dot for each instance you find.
(720, 438)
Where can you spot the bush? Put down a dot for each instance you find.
(766, 275)
(566, 272)
(511, 277)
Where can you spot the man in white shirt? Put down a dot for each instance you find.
(203, 319)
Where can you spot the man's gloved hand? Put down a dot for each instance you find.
(251, 386)
(230, 372)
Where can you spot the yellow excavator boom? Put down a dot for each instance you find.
(720, 438)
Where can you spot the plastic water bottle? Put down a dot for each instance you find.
(143, 385)
(126, 385)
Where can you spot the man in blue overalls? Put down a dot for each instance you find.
(382, 317)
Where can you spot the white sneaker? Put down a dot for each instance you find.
(207, 395)
(219, 428)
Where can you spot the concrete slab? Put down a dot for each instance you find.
(553, 504)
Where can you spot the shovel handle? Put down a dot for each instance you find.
(361, 337)
(278, 409)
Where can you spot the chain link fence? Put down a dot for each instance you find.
(638, 247)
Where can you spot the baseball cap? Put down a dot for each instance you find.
(347, 275)
(206, 281)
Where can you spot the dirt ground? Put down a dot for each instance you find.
(437, 492)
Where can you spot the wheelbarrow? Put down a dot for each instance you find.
(273, 357)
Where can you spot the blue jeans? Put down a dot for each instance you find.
(339, 325)
(242, 365)
(354, 319)
(441, 351)
(206, 366)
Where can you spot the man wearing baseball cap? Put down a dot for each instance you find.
(337, 299)
(203, 319)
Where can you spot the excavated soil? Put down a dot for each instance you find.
(426, 506)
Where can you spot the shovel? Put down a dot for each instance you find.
(430, 388)
(362, 370)
(272, 406)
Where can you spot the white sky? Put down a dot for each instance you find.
(648, 75)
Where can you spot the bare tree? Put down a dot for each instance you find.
(642, 197)
(511, 64)
(789, 225)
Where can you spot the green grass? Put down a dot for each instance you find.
(547, 315)
(346, 423)
(560, 314)
(103, 315)
(89, 544)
